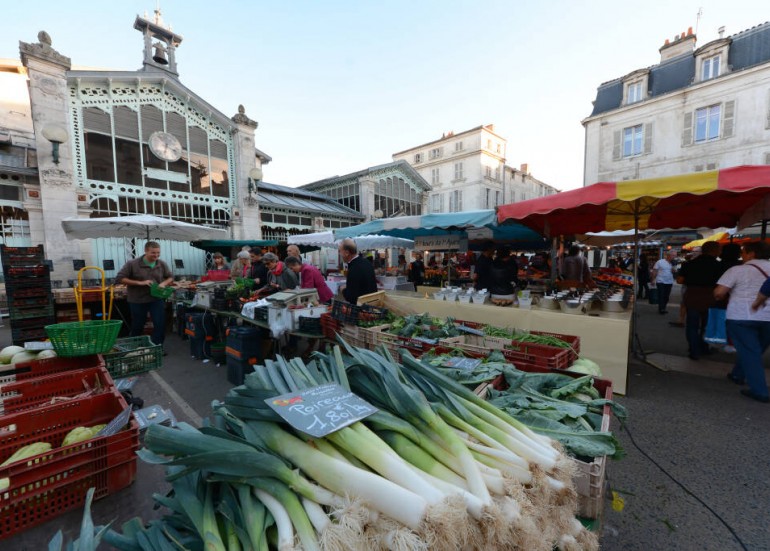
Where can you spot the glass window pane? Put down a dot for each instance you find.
(99, 164)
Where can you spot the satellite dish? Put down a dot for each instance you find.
(378, 214)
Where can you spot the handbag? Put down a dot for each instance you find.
(716, 326)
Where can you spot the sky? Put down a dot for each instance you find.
(340, 85)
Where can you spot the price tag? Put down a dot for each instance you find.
(117, 424)
(321, 410)
(468, 364)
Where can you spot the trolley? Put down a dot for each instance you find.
(89, 292)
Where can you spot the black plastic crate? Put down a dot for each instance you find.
(27, 288)
(20, 336)
(27, 313)
(21, 255)
(31, 302)
(221, 304)
(353, 314)
(260, 314)
(40, 321)
(36, 272)
(310, 325)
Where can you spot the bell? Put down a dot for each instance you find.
(160, 55)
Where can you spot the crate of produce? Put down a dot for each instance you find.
(26, 252)
(522, 354)
(330, 327)
(41, 391)
(46, 485)
(354, 335)
(590, 474)
(132, 356)
(80, 338)
(26, 289)
(47, 366)
(572, 342)
(353, 314)
(380, 335)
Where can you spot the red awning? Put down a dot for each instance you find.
(703, 199)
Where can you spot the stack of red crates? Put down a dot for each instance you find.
(46, 485)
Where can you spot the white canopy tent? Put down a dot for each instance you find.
(367, 242)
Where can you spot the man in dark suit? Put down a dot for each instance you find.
(360, 279)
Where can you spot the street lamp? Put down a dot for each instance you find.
(255, 175)
(56, 135)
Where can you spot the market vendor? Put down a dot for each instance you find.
(310, 278)
(360, 279)
(575, 270)
(484, 268)
(219, 263)
(503, 275)
(241, 264)
(258, 270)
(139, 275)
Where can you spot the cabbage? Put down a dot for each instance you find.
(23, 356)
(7, 353)
(586, 366)
(43, 354)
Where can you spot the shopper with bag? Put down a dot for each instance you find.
(749, 329)
(700, 276)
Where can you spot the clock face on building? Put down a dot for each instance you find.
(165, 146)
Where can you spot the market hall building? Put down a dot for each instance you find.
(95, 143)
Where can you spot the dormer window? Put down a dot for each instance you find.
(710, 68)
(635, 92)
(635, 86)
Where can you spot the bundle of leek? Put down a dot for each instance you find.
(434, 468)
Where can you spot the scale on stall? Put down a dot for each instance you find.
(290, 305)
(294, 297)
(204, 292)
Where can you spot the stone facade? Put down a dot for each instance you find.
(704, 108)
(468, 171)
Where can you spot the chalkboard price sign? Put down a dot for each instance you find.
(321, 410)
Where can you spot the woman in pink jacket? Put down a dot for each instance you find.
(310, 278)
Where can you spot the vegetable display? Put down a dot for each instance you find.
(436, 467)
(424, 326)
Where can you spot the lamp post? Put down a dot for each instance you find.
(255, 175)
(56, 135)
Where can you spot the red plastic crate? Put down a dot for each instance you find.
(40, 391)
(330, 326)
(49, 366)
(51, 483)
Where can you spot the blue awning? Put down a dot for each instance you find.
(478, 226)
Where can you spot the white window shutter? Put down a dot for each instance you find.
(767, 158)
(648, 138)
(687, 130)
(728, 122)
(616, 144)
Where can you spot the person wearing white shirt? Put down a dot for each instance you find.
(663, 279)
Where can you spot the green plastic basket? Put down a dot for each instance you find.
(132, 356)
(81, 338)
(161, 292)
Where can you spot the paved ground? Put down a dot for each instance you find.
(696, 475)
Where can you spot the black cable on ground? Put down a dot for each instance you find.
(624, 426)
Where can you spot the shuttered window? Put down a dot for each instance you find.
(176, 125)
(96, 120)
(152, 121)
(126, 123)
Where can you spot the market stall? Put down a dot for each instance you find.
(705, 199)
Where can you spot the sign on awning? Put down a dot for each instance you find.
(441, 243)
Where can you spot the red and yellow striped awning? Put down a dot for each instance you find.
(704, 199)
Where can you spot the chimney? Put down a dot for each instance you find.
(682, 44)
(721, 31)
(524, 168)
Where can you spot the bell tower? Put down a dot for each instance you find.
(160, 43)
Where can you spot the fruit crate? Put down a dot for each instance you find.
(52, 389)
(132, 356)
(590, 477)
(22, 335)
(21, 256)
(330, 327)
(48, 366)
(26, 289)
(49, 484)
(26, 272)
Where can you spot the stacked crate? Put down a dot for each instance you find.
(28, 291)
(42, 401)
